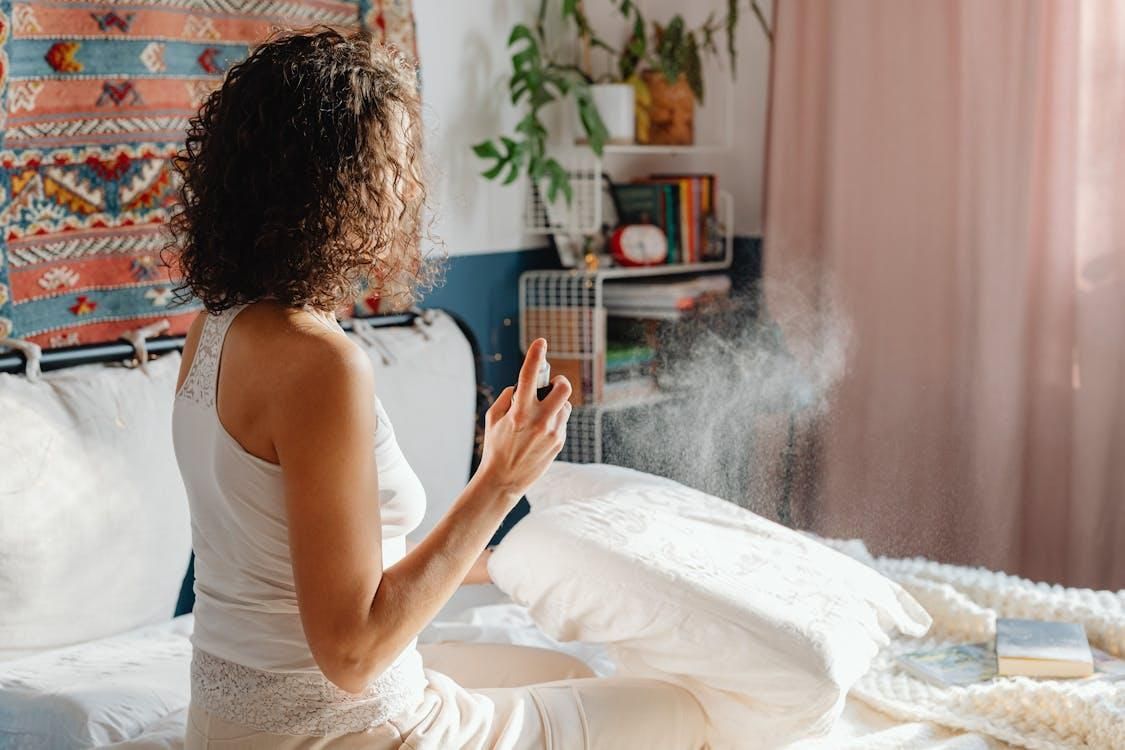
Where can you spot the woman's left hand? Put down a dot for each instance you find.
(479, 572)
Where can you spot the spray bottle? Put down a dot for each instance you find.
(543, 381)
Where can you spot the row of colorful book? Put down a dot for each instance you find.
(683, 206)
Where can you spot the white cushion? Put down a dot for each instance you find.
(94, 528)
(425, 377)
(121, 689)
(767, 628)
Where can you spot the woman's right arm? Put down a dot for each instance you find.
(357, 616)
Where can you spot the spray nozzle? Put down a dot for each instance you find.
(543, 381)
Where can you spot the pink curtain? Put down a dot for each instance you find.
(950, 178)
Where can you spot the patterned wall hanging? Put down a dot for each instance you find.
(95, 102)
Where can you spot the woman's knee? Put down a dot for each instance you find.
(630, 712)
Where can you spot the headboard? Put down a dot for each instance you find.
(427, 366)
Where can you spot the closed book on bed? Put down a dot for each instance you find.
(1039, 648)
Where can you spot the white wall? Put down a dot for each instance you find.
(465, 65)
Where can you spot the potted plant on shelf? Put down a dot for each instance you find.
(668, 79)
(661, 64)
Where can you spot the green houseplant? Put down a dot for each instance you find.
(538, 80)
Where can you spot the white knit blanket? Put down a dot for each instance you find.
(964, 603)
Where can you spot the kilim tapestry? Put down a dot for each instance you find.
(95, 102)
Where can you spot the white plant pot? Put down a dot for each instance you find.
(615, 103)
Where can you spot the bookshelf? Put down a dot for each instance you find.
(567, 306)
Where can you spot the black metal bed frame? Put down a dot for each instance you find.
(119, 351)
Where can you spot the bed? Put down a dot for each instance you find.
(128, 688)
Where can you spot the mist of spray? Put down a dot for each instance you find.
(742, 379)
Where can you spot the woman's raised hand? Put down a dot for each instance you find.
(522, 434)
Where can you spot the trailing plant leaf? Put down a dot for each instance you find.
(636, 47)
(522, 32)
(707, 43)
(731, 24)
(573, 9)
(558, 180)
(693, 66)
(486, 150)
(591, 119)
(669, 47)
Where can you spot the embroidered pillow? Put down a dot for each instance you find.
(768, 628)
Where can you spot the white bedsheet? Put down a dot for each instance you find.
(100, 693)
(131, 692)
(860, 727)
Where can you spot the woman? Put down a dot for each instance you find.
(301, 182)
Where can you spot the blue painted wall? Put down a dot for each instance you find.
(483, 290)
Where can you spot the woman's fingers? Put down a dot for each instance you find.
(500, 406)
(559, 395)
(529, 373)
(559, 424)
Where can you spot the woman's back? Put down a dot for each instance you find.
(246, 612)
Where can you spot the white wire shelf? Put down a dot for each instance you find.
(667, 269)
(644, 149)
(640, 313)
(582, 215)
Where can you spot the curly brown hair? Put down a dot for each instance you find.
(302, 178)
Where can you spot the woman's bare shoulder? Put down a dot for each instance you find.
(301, 350)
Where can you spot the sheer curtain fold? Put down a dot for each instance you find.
(950, 178)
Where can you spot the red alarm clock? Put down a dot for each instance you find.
(638, 245)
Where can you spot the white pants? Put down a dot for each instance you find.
(522, 699)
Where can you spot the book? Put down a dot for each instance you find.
(639, 203)
(687, 218)
(713, 240)
(1107, 666)
(699, 216)
(700, 192)
(1040, 648)
(678, 294)
(963, 664)
(672, 222)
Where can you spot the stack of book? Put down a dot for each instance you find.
(684, 206)
(1026, 648)
(662, 299)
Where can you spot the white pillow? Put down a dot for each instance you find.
(94, 527)
(106, 691)
(766, 627)
(425, 377)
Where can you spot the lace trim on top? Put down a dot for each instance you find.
(199, 385)
(302, 703)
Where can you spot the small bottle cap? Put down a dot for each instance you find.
(543, 379)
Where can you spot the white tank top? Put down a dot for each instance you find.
(252, 664)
